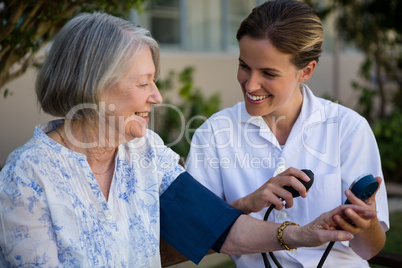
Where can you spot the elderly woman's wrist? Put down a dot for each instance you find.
(288, 235)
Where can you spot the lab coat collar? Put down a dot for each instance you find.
(310, 115)
(311, 106)
(312, 112)
(257, 121)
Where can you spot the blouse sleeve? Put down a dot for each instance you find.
(166, 161)
(27, 235)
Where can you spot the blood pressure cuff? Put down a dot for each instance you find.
(193, 219)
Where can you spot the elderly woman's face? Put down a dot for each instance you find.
(129, 102)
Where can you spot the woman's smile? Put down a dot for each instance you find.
(256, 98)
(143, 115)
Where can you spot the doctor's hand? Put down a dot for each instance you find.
(272, 192)
(369, 232)
(354, 222)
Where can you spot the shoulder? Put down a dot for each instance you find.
(232, 112)
(154, 139)
(330, 110)
(344, 115)
(20, 173)
(154, 159)
(31, 160)
(348, 122)
(319, 114)
(27, 154)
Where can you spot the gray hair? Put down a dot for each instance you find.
(88, 56)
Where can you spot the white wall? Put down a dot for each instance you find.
(19, 113)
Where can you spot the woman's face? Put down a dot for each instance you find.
(269, 81)
(129, 102)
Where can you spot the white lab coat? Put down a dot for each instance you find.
(234, 153)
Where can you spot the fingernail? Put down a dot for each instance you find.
(348, 212)
(347, 192)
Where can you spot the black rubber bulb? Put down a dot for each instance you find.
(306, 184)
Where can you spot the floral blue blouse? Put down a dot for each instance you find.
(53, 213)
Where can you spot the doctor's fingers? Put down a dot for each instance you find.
(369, 204)
(291, 181)
(282, 195)
(371, 201)
(297, 173)
(271, 196)
(353, 222)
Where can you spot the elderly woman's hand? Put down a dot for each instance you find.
(249, 235)
(325, 228)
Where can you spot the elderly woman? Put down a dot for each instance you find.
(96, 188)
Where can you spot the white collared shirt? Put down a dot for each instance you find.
(233, 154)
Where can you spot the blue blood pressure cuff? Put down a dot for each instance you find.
(193, 219)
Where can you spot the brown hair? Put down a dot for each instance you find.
(293, 28)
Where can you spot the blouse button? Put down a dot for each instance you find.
(281, 215)
(279, 170)
(108, 216)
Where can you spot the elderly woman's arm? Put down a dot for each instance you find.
(249, 235)
(193, 220)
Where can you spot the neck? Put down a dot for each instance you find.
(281, 121)
(83, 136)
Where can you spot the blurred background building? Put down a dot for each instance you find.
(200, 34)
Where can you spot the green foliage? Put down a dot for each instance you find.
(176, 121)
(367, 91)
(394, 237)
(375, 28)
(388, 132)
(6, 92)
(393, 243)
(28, 25)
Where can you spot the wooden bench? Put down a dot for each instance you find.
(171, 256)
(385, 259)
